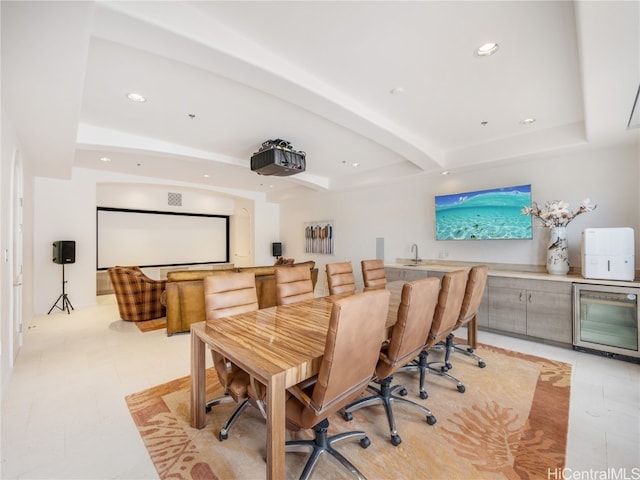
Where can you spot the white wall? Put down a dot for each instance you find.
(403, 213)
(66, 210)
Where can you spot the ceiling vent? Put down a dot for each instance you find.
(277, 157)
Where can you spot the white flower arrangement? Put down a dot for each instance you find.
(557, 213)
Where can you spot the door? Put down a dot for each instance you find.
(16, 257)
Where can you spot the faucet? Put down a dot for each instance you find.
(417, 260)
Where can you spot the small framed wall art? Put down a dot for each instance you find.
(319, 237)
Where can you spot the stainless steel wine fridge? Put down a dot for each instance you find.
(606, 320)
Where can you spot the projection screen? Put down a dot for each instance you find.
(156, 239)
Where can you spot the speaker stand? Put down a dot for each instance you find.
(64, 297)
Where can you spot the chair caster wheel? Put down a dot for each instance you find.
(449, 366)
(444, 368)
(461, 388)
(396, 440)
(424, 395)
(348, 416)
(222, 436)
(481, 364)
(403, 392)
(470, 350)
(431, 419)
(365, 442)
(208, 409)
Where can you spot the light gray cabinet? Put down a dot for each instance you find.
(535, 308)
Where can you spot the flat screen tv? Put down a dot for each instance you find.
(484, 215)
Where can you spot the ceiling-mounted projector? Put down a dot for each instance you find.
(277, 157)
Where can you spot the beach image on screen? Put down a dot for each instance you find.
(484, 214)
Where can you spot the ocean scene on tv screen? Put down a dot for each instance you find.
(484, 215)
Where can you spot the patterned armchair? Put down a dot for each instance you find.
(138, 296)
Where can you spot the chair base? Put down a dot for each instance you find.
(242, 405)
(385, 396)
(322, 444)
(425, 367)
(465, 349)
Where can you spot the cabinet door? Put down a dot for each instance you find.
(483, 311)
(394, 274)
(508, 309)
(411, 274)
(549, 316)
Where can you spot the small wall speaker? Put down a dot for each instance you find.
(276, 249)
(64, 251)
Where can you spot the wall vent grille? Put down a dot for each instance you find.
(175, 199)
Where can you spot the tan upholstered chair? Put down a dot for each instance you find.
(340, 278)
(415, 315)
(476, 284)
(293, 284)
(344, 374)
(373, 274)
(450, 296)
(138, 296)
(226, 295)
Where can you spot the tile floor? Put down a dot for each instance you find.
(64, 414)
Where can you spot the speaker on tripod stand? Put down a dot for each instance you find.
(64, 251)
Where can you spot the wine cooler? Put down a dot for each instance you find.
(605, 320)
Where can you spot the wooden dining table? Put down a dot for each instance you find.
(280, 347)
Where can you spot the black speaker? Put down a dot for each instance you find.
(64, 251)
(276, 249)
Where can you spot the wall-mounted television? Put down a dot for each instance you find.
(484, 215)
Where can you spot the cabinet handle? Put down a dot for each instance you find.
(529, 298)
(520, 296)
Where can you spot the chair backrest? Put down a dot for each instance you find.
(452, 287)
(476, 283)
(229, 294)
(356, 331)
(415, 316)
(373, 274)
(340, 278)
(225, 295)
(293, 284)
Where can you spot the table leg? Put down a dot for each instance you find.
(276, 427)
(198, 384)
(472, 332)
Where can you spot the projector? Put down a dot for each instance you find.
(277, 157)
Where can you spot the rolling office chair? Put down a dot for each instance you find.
(226, 295)
(344, 374)
(340, 278)
(293, 284)
(415, 315)
(373, 274)
(450, 297)
(476, 284)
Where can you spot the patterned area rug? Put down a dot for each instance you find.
(511, 423)
(151, 325)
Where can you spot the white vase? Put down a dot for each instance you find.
(558, 251)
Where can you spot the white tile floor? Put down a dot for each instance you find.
(64, 414)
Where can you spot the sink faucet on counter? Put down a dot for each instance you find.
(416, 259)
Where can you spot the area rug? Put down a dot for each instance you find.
(152, 325)
(511, 423)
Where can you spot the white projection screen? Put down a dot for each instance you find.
(156, 239)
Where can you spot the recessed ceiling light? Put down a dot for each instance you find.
(446, 172)
(136, 97)
(356, 164)
(105, 159)
(527, 121)
(487, 49)
(206, 175)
